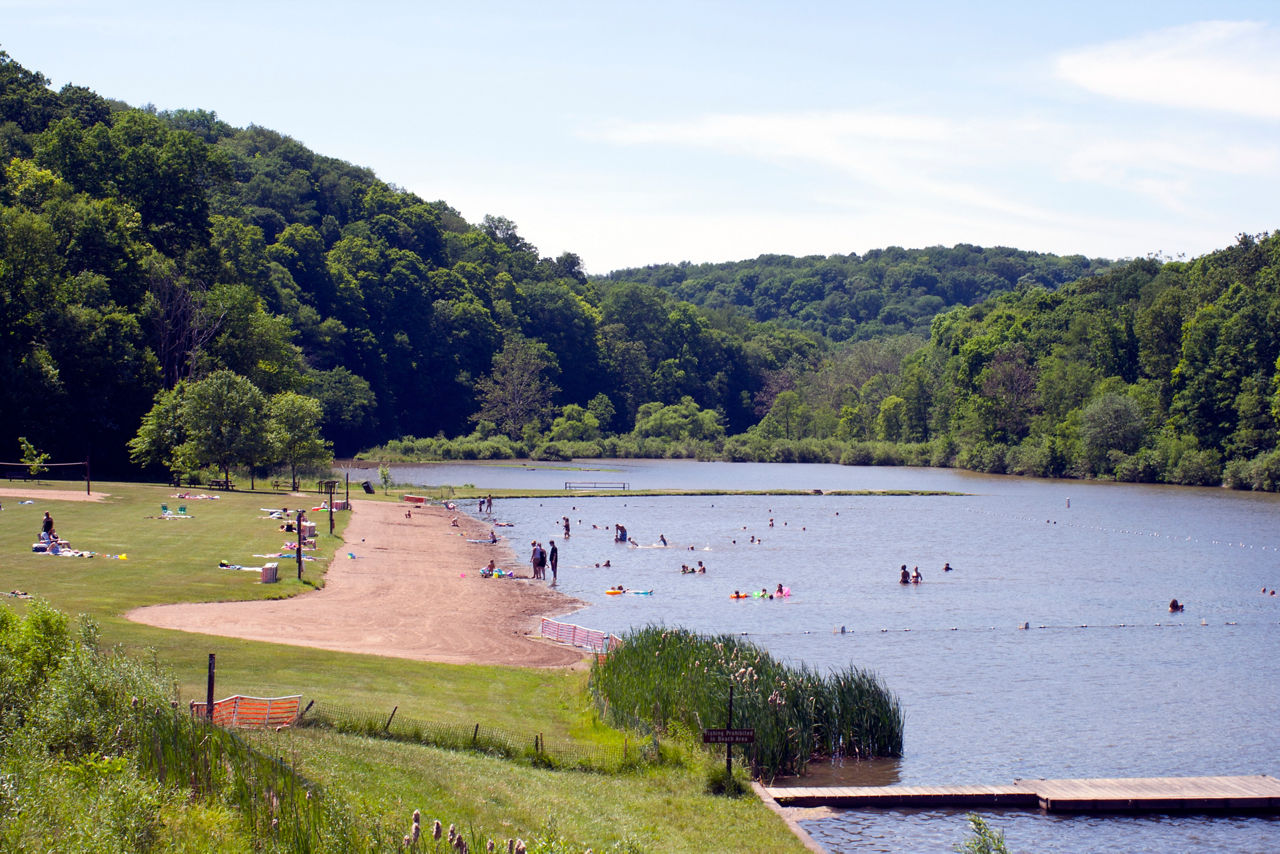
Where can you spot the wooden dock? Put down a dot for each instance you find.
(1256, 793)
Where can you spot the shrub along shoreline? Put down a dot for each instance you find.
(675, 678)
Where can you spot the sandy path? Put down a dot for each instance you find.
(402, 597)
(51, 494)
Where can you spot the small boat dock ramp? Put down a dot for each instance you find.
(1254, 793)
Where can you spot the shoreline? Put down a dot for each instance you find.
(413, 590)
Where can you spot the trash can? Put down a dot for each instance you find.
(368, 487)
(269, 573)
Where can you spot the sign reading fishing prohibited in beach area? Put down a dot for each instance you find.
(728, 736)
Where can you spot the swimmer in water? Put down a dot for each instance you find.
(662, 538)
(905, 578)
(946, 567)
(916, 578)
(1176, 607)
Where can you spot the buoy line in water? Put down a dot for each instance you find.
(845, 630)
(1127, 531)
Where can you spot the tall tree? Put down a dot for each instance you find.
(294, 428)
(224, 415)
(517, 391)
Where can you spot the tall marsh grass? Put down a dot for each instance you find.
(675, 678)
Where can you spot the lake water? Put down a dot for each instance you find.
(1105, 682)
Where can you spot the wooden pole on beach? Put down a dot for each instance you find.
(208, 706)
(332, 484)
(298, 525)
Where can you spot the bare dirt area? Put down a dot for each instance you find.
(20, 493)
(413, 590)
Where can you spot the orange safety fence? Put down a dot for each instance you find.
(251, 711)
(592, 639)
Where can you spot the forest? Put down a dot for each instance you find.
(145, 255)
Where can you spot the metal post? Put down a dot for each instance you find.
(208, 706)
(298, 525)
(332, 484)
(728, 747)
(88, 479)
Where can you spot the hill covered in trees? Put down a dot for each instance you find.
(1149, 372)
(139, 250)
(888, 291)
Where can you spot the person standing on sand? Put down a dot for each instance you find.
(553, 558)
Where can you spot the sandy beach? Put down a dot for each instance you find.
(413, 590)
(50, 494)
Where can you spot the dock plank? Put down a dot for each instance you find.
(1258, 792)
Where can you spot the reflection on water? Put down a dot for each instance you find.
(1103, 682)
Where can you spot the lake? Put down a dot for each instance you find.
(1103, 682)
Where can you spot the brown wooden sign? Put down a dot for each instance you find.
(728, 736)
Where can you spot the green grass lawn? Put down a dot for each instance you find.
(659, 810)
(177, 561)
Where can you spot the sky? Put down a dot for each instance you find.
(656, 132)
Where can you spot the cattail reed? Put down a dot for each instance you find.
(674, 676)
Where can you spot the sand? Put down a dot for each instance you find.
(413, 591)
(50, 494)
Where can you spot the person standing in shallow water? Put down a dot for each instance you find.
(553, 558)
(535, 559)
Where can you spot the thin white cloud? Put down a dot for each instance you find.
(895, 154)
(1227, 66)
(990, 165)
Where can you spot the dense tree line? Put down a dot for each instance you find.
(889, 291)
(1149, 372)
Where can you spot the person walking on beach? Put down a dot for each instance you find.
(553, 557)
